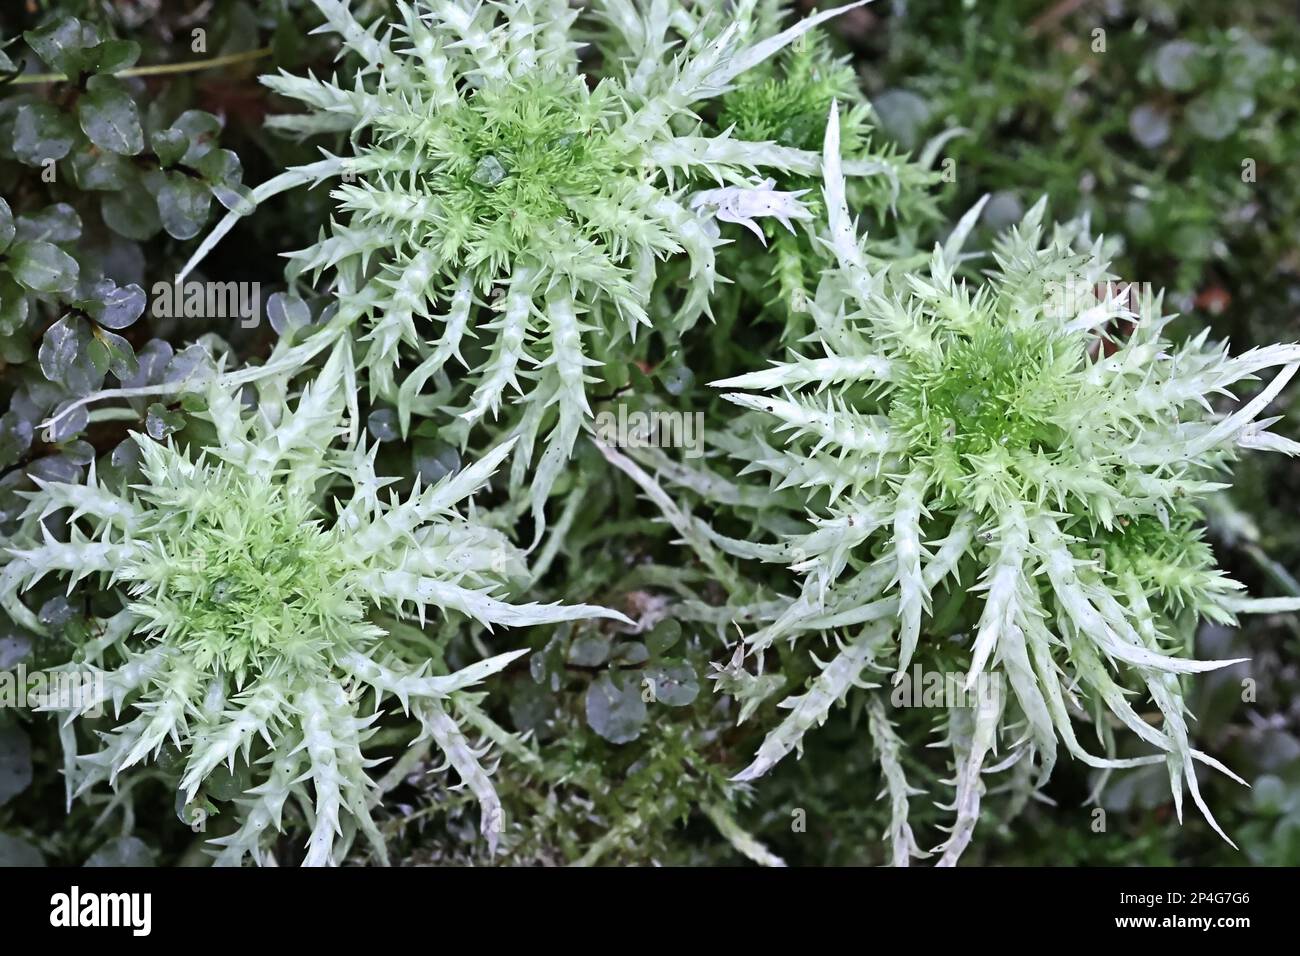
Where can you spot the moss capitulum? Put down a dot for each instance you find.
(991, 389)
(252, 580)
(515, 157)
(1165, 554)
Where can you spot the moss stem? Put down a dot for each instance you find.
(156, 69)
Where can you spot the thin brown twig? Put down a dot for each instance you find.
(157, 69)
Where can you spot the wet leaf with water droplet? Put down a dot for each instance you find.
(615, 713)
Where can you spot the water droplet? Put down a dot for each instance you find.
(489, 171)
(383, 424)
(223, 591)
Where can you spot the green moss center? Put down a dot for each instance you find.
(990, 389)
(519, 157)
(252, 581)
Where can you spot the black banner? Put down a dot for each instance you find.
(130, 907)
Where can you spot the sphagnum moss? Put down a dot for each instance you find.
(488, 166)
(1054, 440)
(999, 480)
(247, 631)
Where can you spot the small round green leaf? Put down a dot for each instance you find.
(675, 683)
(109, 116)
(42, 267)
(15, 762)
(615, 713)
(18, 853)
(42, 133)
(124, 851)
(7, 228)
(183, 204)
